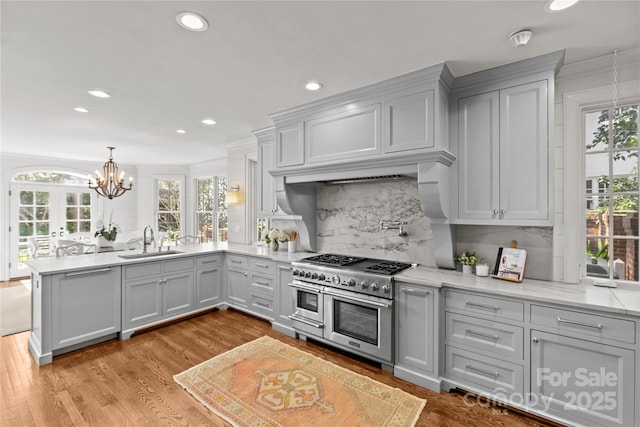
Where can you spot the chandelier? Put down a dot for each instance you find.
(109, 184)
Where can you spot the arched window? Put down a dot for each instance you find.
(65, 178)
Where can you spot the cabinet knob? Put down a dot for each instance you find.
(535, 339)
(495, 211)
(502, 211)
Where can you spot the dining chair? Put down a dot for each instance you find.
(72, 247)
(133, 243)
(81, 237)
(187, 240)
(33, 247)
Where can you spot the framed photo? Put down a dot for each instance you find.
(510, 264)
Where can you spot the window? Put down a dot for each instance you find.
(211, 212)
(169, 207)
(611, 193)
(78, 212)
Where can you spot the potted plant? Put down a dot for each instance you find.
(107, 233)
(468, 260)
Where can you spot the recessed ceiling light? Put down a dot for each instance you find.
(192, 21)
(81, 110)
(181, 131)
(209, 121)
(556, 5)
(313, 85)
(98, 93)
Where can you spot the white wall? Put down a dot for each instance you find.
(238, 157)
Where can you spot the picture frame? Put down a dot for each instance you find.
(510, 264)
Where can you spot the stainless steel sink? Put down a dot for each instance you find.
(149, 254)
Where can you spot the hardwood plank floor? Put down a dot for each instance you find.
(130, 383)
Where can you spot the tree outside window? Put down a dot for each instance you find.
(612, 193)
(169, 208)
(211, 212)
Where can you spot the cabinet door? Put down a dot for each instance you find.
(207, 287)
(582, 381)
(289, 145)
(416, 318)
(177, 293)
(238, 287)
(409, 122)
(85, 305)
(283, 296)
(142, 301)
(344, 134)
(524, 152)
(479, 157)
(266, 160)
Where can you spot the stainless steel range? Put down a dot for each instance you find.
(346, 301)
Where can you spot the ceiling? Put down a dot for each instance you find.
(252, 61)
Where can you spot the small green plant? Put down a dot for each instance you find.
(467, 258)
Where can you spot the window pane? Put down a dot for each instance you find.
(222, 192)
(86, 199)
(625, 127)
(72, 199)
(26, 197)
(169, 196)
(625, 218)
(597, 131)
(72, 227)
(26, 213)
(205, 227)
(625, 258)
(597, 171)
(84, 226)
(42, 198)
(42, 228)
(222, 226)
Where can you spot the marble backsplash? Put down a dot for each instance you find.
(349, 223)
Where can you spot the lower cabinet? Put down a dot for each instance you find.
(416, 356)
(208, 281)
(86, 305)
(157, 291)
(238, 281)
(283, 298)
(250, 284)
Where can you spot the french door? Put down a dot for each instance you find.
(47, 213)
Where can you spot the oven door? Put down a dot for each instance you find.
(362, 323)
(308, 308)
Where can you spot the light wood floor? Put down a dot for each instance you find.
(130, 383)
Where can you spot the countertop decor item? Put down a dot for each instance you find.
(267, 382)
(468, 260)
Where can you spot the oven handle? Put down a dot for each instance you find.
(360, 300)
(299, 285)
(306, 322)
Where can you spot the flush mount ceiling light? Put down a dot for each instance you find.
(313, 85)
(99, 93)
(520, 38)
(81, 110)
(556, 5)
(192, 21)
(209, 122)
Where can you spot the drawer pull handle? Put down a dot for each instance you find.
(413, 291)
(262, 283)
(236, 262)
(482, 371)
(209, 271)
(84, 273)
(261, 265)
(480, 334)
(261, 304)
(210, 261)
(488, 307)
(285, 268)
(573, 322)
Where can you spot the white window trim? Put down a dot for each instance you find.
(573, 165)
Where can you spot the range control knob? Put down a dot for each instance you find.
(307, 275)
(295, 272)
(374, 286)
(364, 284)
(386, 289)
(321, 277)
(314, 276)
(335, 280)
(352, 282)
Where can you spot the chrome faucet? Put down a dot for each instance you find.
(144, 238)
(393, 225)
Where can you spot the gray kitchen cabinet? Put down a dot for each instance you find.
(409, 122)
(238, 281)
(261, 288)
(157, 291)
(283, 300)
(85, 305)
(209, 270)
(289, 145)
(504, 156)
(343, 133)
(267, 203)
(416, 354)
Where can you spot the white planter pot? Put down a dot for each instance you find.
(467, 268)
(482, 270)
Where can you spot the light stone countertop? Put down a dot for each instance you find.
(622, 300)
(625, 299)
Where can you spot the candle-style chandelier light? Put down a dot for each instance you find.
(110, 183)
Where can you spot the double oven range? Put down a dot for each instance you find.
(346, 302)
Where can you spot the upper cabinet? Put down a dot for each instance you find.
(500, 133)
(409, 122)
(267, 203)
(290, 145)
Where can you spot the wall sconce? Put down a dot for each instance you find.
(233, 195)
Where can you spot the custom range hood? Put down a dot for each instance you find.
(389, 130)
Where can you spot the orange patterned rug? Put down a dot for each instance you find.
(269, 383)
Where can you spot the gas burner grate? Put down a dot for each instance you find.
(388, 267)
(332, 259)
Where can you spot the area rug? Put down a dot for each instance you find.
(268, 383)
(15, 309)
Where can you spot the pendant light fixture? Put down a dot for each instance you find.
(110, 183)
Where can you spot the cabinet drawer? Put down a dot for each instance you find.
(262, 265)
(237, 261)
(261, 304)
(143, 270)
(494, 308)
(494, 337)
(584, 324)
(209, 260)
(486, 374)
(178, 264)
(262, 284)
